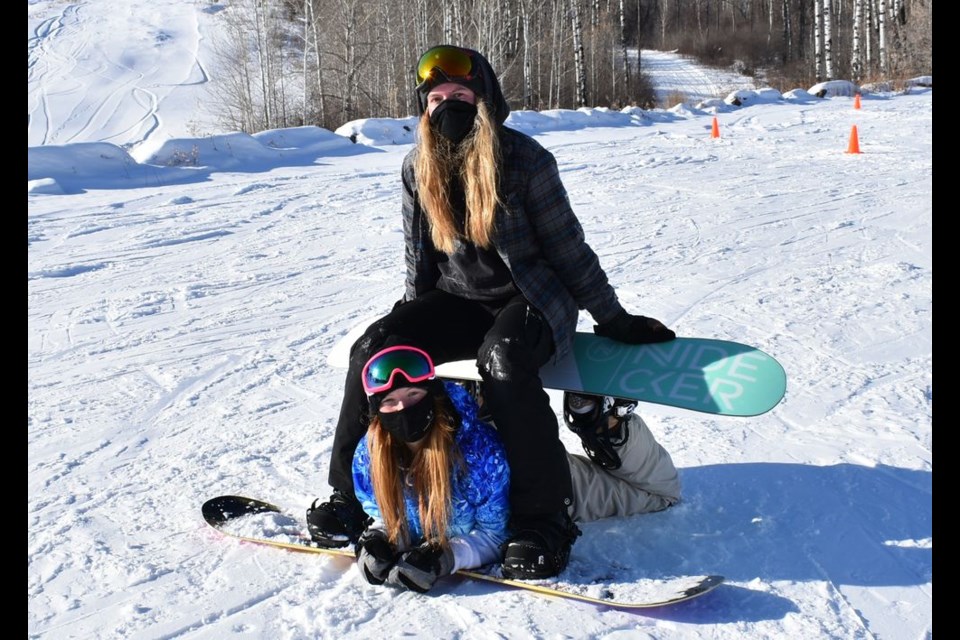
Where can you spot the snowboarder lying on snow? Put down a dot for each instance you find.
(497, 269)
(434, 479)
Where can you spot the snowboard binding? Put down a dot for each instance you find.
(598, 422)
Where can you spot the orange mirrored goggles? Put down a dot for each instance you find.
(446, 62)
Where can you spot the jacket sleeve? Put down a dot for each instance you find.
(362, 483)
(487, 487)
(563, 242)
(475, 549)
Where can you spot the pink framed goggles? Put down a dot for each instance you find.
(380, 372)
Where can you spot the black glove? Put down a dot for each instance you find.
(634, 329)
(420, 567)
(375, 555)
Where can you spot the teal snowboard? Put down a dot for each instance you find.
(700, 374)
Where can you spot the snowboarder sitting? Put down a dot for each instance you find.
(433, 479)
(497, 269)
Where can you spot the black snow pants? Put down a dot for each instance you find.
(510, 343)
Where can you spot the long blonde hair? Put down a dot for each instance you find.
(428, 472)
(476, 163)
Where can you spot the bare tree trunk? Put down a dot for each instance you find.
(895, 39)
(828, 39)
(639, 34)
(578, 62)
(409, 56)
(856, 61)
(539, 38)
(770, 13)
(278, 87)
(262, 60)
(447, 22)
(304, 78)
(623, 50)
(787, 32)
(527, 96)
(236, 88)
(553, 66)
(421, 34)
(459, 29)
(348, 69)
(817, 40)
(318, 61)
(281, 93)
(801, 39)
(882, 24)
(663, 26)
(592, 78)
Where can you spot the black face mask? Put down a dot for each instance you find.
(410, 424)
(453, 119)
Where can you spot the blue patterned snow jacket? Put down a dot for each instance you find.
(480, 489)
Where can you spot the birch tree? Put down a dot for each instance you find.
(817, 40)
(578, 62)
(828, 39)
(786, 16)
(263, 60)
(315, 100)
(623, 48)
(526, 97)
(882, 35)
(856, 59)
(234, 92)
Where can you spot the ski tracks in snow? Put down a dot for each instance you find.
(674, 78)
(100, 97)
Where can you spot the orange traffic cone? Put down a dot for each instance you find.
(856, 101)
(715, 132)
(854, 146)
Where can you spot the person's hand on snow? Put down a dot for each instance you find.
(419, 568)
(375, 555)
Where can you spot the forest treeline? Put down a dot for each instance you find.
(286, 63)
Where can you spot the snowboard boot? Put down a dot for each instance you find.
(337, 522)
(597, 421)
(540, 546)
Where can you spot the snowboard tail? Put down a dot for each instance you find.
(263, 523)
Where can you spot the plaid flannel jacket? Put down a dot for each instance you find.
(537, 234)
